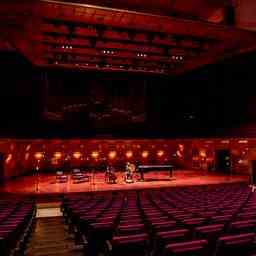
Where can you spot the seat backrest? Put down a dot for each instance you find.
(209, 232)
(235, 244)
(173, 236)
(130, 245)
(242, 226)
(195, 247)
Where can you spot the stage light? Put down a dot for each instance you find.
(112, 154)
(160, 153)
(129, 154)
(57, 155)
(181, 147)
(9, 158)
(38, 155)
(77, 155)
(243, 141)
(27, 156)
(202, 153)
(95, 154)
(145, 154)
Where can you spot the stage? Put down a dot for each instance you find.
(46, 183)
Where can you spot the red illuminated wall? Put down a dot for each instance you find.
(24, 155)
(245, 14)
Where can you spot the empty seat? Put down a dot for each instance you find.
(242, 226)
(236, 245)
(190, 248)
(135, 245)
(165, 237)
(130, 229)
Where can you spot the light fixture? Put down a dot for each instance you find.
(160, 153)
(112, 154)
(38, 155)
(77, 155)
(95, 154)
(129, 154)
(57, 155)
(145, 154)
(9, 158)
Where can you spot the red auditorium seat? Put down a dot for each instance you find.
(135, 245)
(164, 237)
(219, 215)
(242, 226)
(130, 229)
(236, 245)
(191, 248)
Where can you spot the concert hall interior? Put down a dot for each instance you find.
(127, 128)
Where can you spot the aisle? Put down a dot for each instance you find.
(50, 238)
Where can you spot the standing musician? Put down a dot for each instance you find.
(128, 176)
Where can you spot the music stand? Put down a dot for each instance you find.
(37, 179)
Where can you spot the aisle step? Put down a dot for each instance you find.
(50, 238)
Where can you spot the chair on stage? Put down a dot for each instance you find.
(78, 176)
(110, 176)
(61, 177)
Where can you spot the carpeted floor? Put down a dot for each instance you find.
(50, 238)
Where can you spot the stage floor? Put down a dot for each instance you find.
(46, 183)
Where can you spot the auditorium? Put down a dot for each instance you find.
(128, 128)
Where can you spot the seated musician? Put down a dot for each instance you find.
(110, 176)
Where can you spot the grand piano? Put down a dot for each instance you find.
(146, 168)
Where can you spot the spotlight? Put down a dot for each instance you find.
(112, 154)
(160, 153)
(129, 154)
(95, 154)
(77, 155)
(57, 155)
(38, 155)
(145, 154)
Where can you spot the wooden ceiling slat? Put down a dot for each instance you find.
(83, 26)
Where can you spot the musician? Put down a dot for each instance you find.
(128, 173)
(110, 176)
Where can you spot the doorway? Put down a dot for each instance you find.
(223, 161)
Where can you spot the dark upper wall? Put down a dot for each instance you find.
(200, 103)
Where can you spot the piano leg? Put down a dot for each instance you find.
(141, 175)
(171, 173)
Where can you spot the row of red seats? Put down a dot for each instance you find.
(16, 218)
(181, 221)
